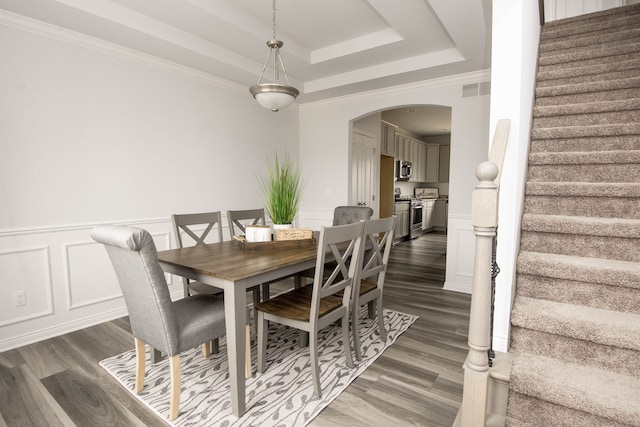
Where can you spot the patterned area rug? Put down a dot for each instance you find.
(282, 396)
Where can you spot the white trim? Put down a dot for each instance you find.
(76, 227)
(47, 283)
(34, 26)
(457, 79)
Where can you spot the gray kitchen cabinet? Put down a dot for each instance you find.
(440, 215)
(433, 160)
(443, 168)
(388, 143)
(427, 214)
(401, 211)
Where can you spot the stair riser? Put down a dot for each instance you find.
(528, 411)
(600, 118)
(628, 48)
(596, 143)
(622, 249)
(604, 207)
(584, 173)
(561, 63)
(595, 96)
(595, 295)
(620, 360)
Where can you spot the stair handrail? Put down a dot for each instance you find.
(484, 218)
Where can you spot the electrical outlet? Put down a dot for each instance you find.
(19, 298)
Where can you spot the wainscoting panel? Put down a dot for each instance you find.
(460, 253)
(67, 277)
(25, 269)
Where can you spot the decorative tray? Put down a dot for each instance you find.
(275, 244)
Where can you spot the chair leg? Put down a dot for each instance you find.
(247, 359)
(266, 294)
(355, 327)
(206, 349)
(370, 310)
(383, 331)
(174, 402)
(315, 369)
(141, 357)
(215, 346)
(256, 301)
(263, 331)
(346, 340)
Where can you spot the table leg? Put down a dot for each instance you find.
(235, 299)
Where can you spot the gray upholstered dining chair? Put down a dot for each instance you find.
(342, 215)
(312, 308)
(350, 214)
(170, 326)
(377, 239)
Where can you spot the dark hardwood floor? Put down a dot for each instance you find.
(417, 381)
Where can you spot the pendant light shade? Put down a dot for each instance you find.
(274, 96)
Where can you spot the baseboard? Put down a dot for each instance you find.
(61, 329)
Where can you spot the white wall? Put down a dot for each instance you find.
(559, 9)
(92, 133)
(325, 129)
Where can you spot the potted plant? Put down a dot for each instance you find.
(281, 190)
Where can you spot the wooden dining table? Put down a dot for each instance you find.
(228, 266)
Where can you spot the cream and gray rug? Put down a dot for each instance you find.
(282, 396)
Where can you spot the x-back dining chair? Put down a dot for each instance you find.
(187, 224)
(377, 239)
(170, 326)
(240, 219)
(312, 308)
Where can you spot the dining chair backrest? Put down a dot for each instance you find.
(343, 243)
(349, 214)
(146, 294)
(184, 223)
(242, 218)
(188, 224)
(378, 235)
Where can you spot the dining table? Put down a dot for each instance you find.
(234, 268)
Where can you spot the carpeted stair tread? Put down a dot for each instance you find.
(526, 411)
(586, 143)
(591, 226)
(574, 291)
(572, 385)
(587, 158)
(589, 42)
(601, 71)
(593, 22)
(587, 108)
(606, 327)
(603, 118)
(584, 189)
(625, 48)
(588, 88)
(586, 269)
(619, 360)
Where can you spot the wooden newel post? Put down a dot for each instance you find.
(484, 218)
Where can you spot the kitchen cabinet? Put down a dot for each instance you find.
(444, 158)
(388, 144)
(432, 166)
(427, 214)
(401, 211)
(440, 213)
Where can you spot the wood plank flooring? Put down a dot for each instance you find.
(417, 381)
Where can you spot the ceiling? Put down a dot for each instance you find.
(331, 47)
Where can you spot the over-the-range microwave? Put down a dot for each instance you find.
(403, 170)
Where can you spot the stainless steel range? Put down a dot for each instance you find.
(415, 218)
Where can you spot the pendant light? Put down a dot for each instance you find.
(274, 96)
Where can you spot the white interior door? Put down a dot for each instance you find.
(363, 169)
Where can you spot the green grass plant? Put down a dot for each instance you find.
(282, 189)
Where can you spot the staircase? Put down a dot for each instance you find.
(575, 337)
